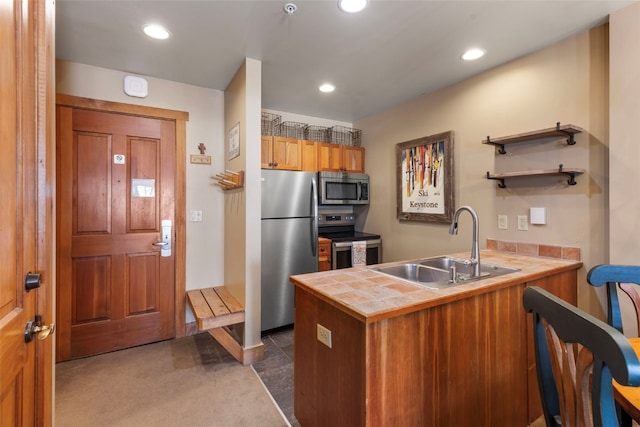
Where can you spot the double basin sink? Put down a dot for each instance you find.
(442, 272)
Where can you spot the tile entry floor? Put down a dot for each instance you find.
(276, 369)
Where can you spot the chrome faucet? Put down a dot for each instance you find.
(475, 248)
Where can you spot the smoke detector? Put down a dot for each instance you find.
(290, 8)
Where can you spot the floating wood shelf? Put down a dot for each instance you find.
(571, 173)
(229, 180)
(566, 130)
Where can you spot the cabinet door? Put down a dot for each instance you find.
(287, 153)
(265, 151)
(352, 159)
(324, 254)
(329, 157)
(309, 156)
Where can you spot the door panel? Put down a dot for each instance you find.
(92, 151)
(116, 290)
(25, 244)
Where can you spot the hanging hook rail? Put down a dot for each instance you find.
(229, 180)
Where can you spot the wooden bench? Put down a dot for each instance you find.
(215, 309)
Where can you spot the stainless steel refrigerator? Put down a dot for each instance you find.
(289, 239)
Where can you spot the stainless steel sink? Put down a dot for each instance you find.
(442, 272)
(415, 273)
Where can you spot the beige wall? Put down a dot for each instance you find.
(205, 255)
(624, 134)
(624, 221)
(566, 82)
(242, 207)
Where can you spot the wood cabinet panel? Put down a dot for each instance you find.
(277, 152)
(328, 382)
(287, 153)
(329, 158)
(265, 152)
(324, 254)
(340, 158)
(309, 156)
(353, 159)
(461, 363)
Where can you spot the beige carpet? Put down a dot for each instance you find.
(183, 382)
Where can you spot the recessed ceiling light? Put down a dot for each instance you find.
(352, 6)
(156, 31)
(327, 87)
(474, 53)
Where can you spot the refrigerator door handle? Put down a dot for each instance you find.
(314, 210)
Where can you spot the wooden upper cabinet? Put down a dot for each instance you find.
(309, 156)
(266, 151)
(340, 158)
(352, 159)
(329, 158)
(281, 153)
(278, 152)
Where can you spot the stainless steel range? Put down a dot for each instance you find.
(340, 228)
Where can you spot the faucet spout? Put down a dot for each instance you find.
(475, 246)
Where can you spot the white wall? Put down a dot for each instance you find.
(566, 82)
(205, 255)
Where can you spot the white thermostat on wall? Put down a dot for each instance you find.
(135, 86)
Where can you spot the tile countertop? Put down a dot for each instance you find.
(371, 296)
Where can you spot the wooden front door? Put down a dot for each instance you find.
(116, 178)
(26, 233)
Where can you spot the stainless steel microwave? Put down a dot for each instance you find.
(339, 188)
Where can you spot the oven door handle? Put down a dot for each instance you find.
(349, 244)
(339, 245)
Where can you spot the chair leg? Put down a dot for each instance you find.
(625, 419)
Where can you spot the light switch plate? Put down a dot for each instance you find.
(502, 222)
(523, 223)
(195, 216)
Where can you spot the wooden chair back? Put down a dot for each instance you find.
(577, 356)
(624, 277)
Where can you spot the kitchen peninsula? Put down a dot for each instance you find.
(401, 354)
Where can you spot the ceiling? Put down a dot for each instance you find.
(390, 53)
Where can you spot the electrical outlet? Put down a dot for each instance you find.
(523, 223)
(324, 335)
(502, 222)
